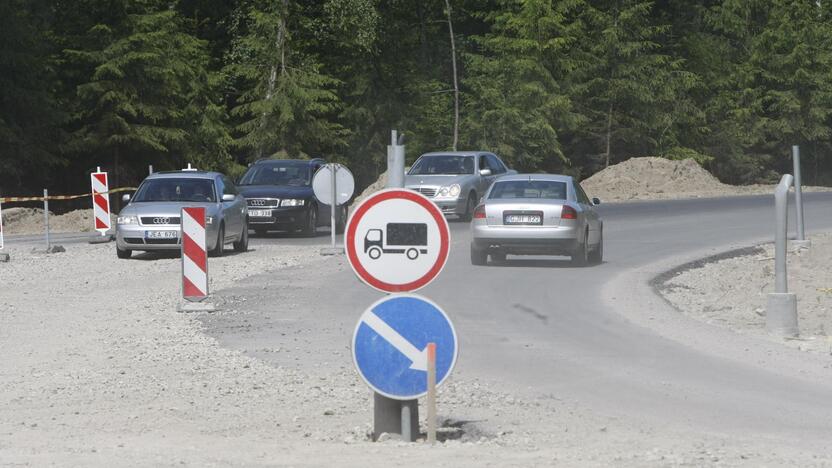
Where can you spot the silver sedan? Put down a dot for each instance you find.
(151, 221)
(537, 214)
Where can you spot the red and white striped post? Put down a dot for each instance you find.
(100, 201)
(194, 260)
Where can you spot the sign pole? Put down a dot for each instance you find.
(334, 204)
(431, 400)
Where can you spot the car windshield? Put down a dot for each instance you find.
(443, 164)
(548, 189)
(176, 190)
(277, 174)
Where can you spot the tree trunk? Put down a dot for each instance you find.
(456, 81)
(280, 45)
(609, 137)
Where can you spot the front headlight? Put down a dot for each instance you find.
(292, 202)
(450, 191)
(127, 220)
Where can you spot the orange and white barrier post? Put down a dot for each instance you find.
(431, 402)
(100, 201)
(194, 260)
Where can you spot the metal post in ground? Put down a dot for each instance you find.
(781, 308)
(431, 400)
(387, 412)
(334, 203)
(46, 217)
(800, 241)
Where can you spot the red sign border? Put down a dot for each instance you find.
(389, 194)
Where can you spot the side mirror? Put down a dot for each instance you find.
(485, 172)
(229, 197)
(125, 198)
(596, 201)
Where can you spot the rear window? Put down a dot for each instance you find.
(176, 190)
(548, 189)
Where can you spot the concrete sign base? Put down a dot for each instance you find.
(781, 314)
(196, 307)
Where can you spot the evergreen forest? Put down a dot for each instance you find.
(567, 86)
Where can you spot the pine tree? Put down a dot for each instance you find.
(517, 102)
(285, 104)
(149, 94)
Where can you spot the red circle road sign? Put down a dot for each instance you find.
(397, 240)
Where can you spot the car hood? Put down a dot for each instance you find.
(439, 180)
(275, 191)
(164, 208)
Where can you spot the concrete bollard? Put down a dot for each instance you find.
(800, 240)
(781, 307)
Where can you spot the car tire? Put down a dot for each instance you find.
(242, 244)
(470, 205)
(478, 257)
(219, 249)
(123, 254)
(498, 257)
(311, 226)
(581, 256)
(597, 254)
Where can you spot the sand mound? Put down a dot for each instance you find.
(379, 184)
(645, 178)
(30, 221)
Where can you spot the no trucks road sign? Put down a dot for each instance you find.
(390, 345)
(397, 240)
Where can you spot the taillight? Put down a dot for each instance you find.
(479, 212)
(568, 213)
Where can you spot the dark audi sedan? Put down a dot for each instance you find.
(280, 197)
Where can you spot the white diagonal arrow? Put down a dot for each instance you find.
(418, 359)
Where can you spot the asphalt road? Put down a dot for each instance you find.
(542, 327)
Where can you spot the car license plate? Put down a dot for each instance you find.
(523, 219)
(260, 213)
(161, 234)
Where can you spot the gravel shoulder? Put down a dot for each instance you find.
(731, 292)
(99, 370)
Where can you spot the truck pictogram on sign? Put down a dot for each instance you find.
(401, 238)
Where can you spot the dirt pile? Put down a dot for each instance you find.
(646, 178)
(30, 221)
(651, 178)
(379, 184)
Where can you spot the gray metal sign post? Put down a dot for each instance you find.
(389, 415)
(781, 307)
(46, 217)
(326, 184)
(798, 199)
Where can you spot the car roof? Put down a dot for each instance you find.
(289, 161)
(456, 153)
(552, 177)
(184, 174)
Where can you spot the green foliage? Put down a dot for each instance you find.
(559, 86)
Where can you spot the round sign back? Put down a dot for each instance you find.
(397, 240)
(344, 184)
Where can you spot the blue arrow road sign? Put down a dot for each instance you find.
(389, 346)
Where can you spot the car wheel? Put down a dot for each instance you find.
(498, 257)
(242, 244)
(478, 257)
(341, 223)
(581, 256)
(219, 249)
(123, 254)
(470, 205)
(311, 226)
(597, 255)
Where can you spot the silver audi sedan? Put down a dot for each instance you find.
(151, 220)
(537, 214)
